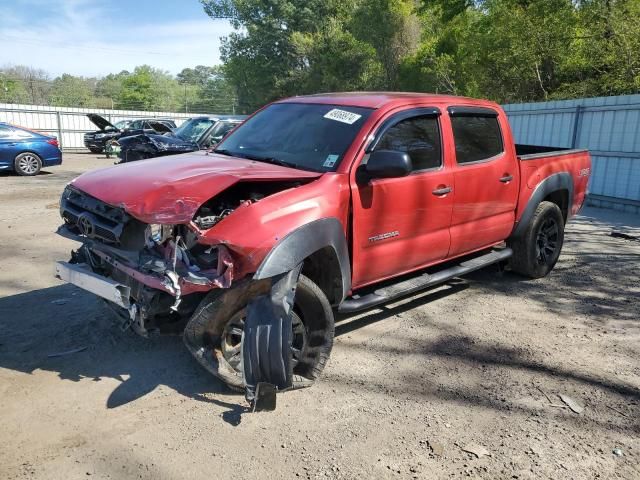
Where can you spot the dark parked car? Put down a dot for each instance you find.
(26, 152)
(96, 141)
(195, 134)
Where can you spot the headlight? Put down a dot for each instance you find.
(100, 135)
(158, 233)
(155, 232)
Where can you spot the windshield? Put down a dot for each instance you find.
(193, 128)
(306, 136)
(122, 124)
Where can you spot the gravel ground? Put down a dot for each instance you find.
(461, 381)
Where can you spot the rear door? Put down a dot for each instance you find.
(485, 179)
(401, 224)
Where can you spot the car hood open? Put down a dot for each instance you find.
(101, 122)
(171, 189)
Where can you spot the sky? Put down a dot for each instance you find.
(97, 37)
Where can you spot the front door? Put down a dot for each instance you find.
(402, 224)
(9, 146)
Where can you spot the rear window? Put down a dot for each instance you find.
(476, 138)
(5, 132)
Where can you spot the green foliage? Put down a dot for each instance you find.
(199, 89)
(68, 90)
(505, 50)
(22, 84)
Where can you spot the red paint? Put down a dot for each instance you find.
(170, 189)
(480, 211)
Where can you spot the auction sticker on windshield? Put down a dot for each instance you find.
(342, 116)
(330, 161)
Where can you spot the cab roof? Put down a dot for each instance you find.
(377, 100)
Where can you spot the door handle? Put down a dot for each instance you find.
(442, 191)
(506, 179)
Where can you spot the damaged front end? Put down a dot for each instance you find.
(161, 251)
(153, 275)
(140, 147)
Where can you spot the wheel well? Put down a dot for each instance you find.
(27, 151)
(560, 198)
(323, 268)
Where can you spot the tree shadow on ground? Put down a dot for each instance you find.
(496, 377)
(597, 277)
(62, 319)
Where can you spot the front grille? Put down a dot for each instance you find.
(92, 218)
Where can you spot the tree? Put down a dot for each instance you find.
(608, 44)
(148, 88)
(34, 83)
(70, 91)
(197, 76)
(268, 56)
(396, 35)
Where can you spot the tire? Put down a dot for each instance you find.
(27, 164)
(536, 251)
(95, 150)
(213, 334)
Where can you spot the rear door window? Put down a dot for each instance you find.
(417, 136)
(477, 136)
(5, 132)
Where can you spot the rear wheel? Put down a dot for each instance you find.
(214, 333)
(536, 251)
(28, 164)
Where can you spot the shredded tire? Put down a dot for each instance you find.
(203, 335)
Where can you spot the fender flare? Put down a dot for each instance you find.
(553, 183)
(303, 242)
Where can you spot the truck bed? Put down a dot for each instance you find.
(538, 163)
(530, 152)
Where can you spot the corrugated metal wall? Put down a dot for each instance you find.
(608, 126)
(70, 124)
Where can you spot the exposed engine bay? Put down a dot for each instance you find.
(163, 268)
(240, 195)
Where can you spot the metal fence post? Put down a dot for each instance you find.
(59, 120)
(576, 125)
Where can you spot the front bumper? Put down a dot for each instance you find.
(95, 143)
(81, 276)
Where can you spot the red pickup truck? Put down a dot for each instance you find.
(316, 204)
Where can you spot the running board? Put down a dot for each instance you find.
(415, 284)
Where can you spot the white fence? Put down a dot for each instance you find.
(70, 124)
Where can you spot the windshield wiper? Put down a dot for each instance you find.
(223, 151)
(273, 160)
(258, 158)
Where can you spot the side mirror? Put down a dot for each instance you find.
(384, 164)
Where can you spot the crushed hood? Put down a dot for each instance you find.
(100, 122)
(171, 189)
(162, 142)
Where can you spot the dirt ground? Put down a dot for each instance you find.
(411, 389)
